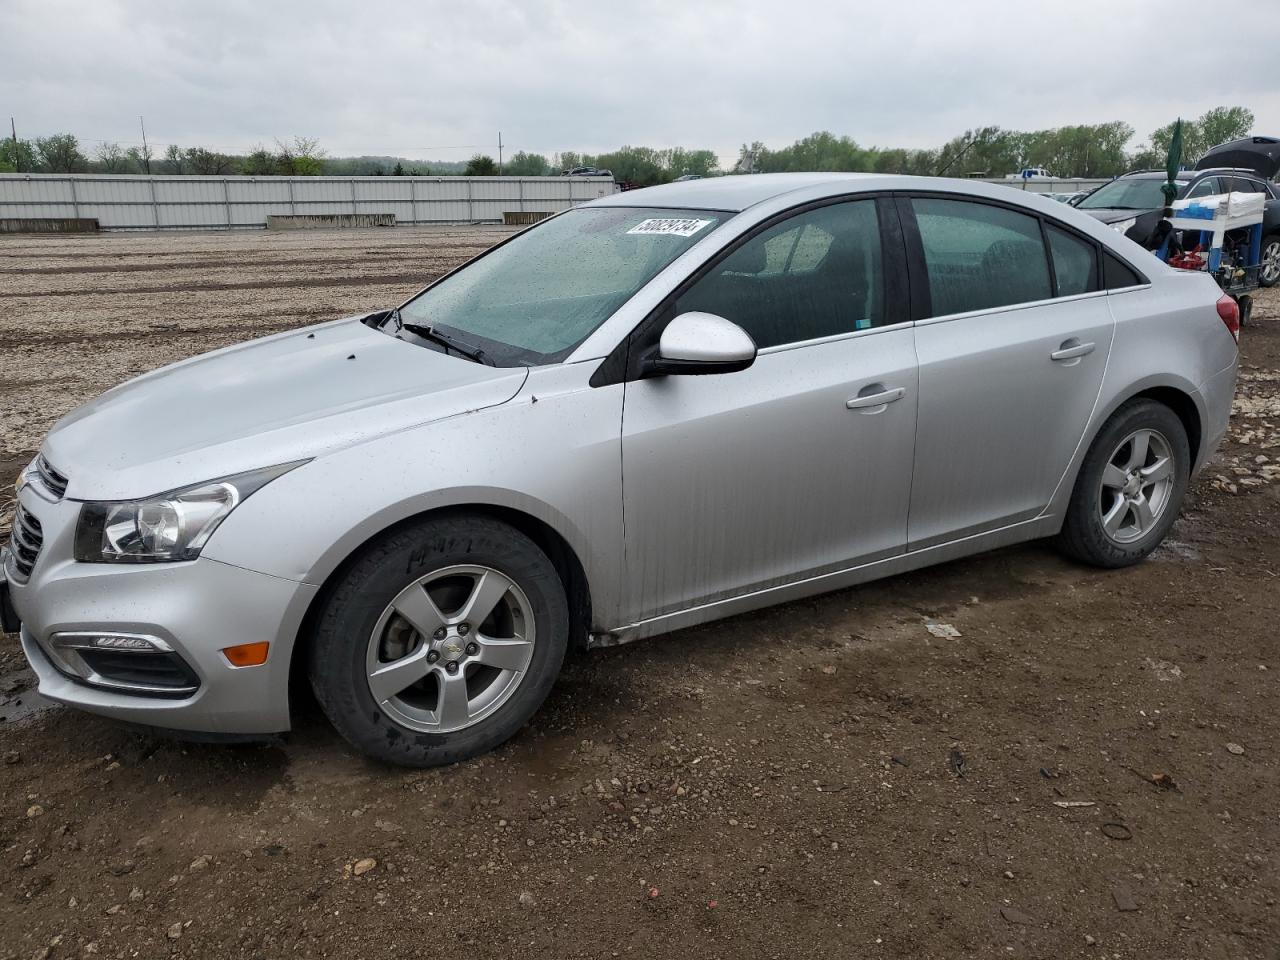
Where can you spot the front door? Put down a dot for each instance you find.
(800, 464)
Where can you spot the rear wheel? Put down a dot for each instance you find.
(1130, 487)
(1269, 274)
(441, 641)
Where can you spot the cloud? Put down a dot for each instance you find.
(438, 80)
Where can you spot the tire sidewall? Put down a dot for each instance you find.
(1085, 519)
(338, 665)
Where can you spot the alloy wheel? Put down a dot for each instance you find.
(450, 649)
(1271, 262)
(1136, 486)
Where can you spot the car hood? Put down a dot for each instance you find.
(1111, 214)
(287, 397)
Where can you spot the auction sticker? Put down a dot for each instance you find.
(670, 227)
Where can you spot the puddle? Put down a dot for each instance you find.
(18, 698)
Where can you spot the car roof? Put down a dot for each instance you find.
(734, 193)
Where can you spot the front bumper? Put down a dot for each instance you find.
(195, 608)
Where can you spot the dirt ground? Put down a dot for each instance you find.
(822, 779)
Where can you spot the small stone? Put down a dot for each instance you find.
(363, 866)
(200, 863)
(1015, 916)
(115, 908)
(136, 894)
(1234, 748)
(12, 756)
(35, 810)
(1008, 874)
(1124, 899)
(1089, 940)
(526, 899)
(174, 931)
(829, 669)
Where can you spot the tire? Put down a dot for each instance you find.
(1105, 525)
(1269, 274)
(375, 628)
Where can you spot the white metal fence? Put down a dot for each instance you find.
(1048, 184)
(150, 203)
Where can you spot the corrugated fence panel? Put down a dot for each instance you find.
(136, 202)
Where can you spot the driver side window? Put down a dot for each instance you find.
(817, 274)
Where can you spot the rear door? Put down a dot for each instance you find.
(1013, 337)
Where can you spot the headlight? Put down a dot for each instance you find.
(1123, 226)
(171, 526)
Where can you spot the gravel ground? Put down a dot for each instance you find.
(1088, 770)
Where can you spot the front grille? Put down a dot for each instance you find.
(25, 540)
(52, 480)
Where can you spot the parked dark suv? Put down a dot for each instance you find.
(1133, 204)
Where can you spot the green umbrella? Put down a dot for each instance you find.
(1172, 164)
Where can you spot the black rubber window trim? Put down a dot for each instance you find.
(622, 363)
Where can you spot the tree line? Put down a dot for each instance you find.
(1087, 150)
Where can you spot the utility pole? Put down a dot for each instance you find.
(17, 154)
(499, 153)
(146, 151)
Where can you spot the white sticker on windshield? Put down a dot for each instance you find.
(670, 227)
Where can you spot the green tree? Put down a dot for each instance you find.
(60, 153)
(300, 157)
(524, 164)
(398, 169)
(18, 156)
(112, 158)
(175, 159)
(1225, 123)
(481, 166)
(701, 163)
(260, 162)
(208, 163)
(139, 159)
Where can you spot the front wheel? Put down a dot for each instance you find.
(440, 641)
(1130, 487)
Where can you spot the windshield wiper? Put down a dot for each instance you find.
(449, 343)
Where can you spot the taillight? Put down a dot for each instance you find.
(1229, 311)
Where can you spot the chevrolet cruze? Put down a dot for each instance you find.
(654, 410)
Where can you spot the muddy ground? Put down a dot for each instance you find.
(822, 779)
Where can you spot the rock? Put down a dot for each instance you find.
(1124, 899)
(12, 756)
(174, 931)
(1015, 916)
(1008, 874)
(121, 868)
(35, 810)
(526, 899)
(201, 862)
(363, 866)
(1234, 748)
(1089, 940)
(136, 894)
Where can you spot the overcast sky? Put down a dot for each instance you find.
(429, 80)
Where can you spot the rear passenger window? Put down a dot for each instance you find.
(1117, 274)
(816, 274)
(980, 256)
(1075, 263)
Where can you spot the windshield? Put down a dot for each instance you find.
(536, 297)
(1136, 193)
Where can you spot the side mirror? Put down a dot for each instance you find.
(696, 343)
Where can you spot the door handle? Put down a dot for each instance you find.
(882, 398)
(1072, 349)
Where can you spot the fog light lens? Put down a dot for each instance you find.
(247, 654)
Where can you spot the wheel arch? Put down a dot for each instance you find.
(551, 541)
(1180, 397)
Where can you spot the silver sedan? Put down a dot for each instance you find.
(651, 411)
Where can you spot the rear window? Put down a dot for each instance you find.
(1075, 263)
(980, 256)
